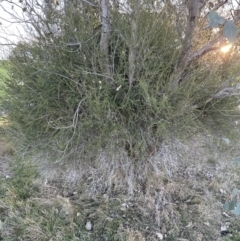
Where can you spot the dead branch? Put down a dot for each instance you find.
(224, 93)
(205, 49)
(220, 4)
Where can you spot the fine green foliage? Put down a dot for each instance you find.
(56, 89)
(3, 76)
(234, 204)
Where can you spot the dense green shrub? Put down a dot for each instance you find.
(56, 89)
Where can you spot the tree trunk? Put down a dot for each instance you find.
(194, 7)
(133, 42)
(105, 35)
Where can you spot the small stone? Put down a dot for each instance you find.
(222, 191)
(92, 215)
(160, 236)
(226, 140)
(123, 209)
(190, 224)
(88, 225)
(207, 223)
(130, 204)
(67, 194)
(124, 205)
(164, 230)
(78, 214)
(105, 196)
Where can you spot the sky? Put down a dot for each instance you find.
(14, 22)
(11, 28)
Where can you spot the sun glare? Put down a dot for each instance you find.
(226, 48)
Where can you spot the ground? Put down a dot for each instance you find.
(177, 194)
(4, 159)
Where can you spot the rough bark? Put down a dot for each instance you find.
(194, 10)
(194, 7)
(105, 35)
(133, 42)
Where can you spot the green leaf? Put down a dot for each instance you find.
(236, 211)
(215, 19)
(233, 203)
(226, 206)
(235, 160)
(230, 31)
(235, 191)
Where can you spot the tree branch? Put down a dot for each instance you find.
(205, 49)
(220, 4)
(224, 93)
(192, 19)
(194, 7)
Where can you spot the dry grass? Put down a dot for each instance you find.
(177, 192)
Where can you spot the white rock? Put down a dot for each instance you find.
(105, 196)
(160, 236)
(221, 191)
(207, 223)
(189, 225)
(124, 205)
(88, 225)
(226, 140)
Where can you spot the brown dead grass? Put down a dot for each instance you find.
(6, 149)
(177, 192)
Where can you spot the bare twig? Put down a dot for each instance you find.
(220, 4)
(89, 3)
(74, 126)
